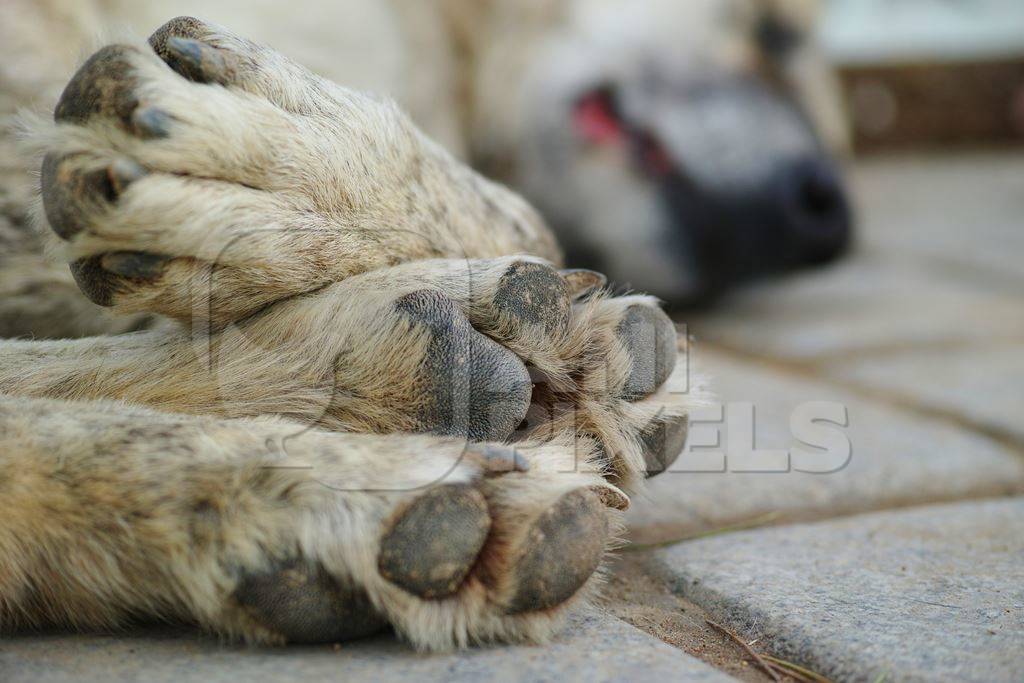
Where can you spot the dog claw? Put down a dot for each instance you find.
(499, 459)
(195, 60)
(582, 281)
(123, 173)
(134, 264)
(151, 123)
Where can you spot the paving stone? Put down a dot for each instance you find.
(897, 459)
(927, 594)
(595, 647)
(985, 385)
(938, 260)
(868, 303)
(962, 215)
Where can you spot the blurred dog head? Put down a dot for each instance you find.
(680, 146)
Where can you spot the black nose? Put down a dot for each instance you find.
(815, 210)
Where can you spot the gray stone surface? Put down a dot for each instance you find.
(959, 214)
(898, 458)
(983, 385)
(938, 260)
(595, 647)
(929, 594)
(871, 303)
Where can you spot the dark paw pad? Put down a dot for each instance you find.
(435, 542)
(561, 551)
(101, 277)
(535, 294)
(303, 604)
(476, 388)
(663, 441)
(96, 283)
(650, 339)
(104, 85)
(71, 195)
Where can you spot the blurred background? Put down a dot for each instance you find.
(919, 332)
(930, 73)
(919, 329)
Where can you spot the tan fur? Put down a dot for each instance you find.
(112, 511)
(146, 473)
(475, 75)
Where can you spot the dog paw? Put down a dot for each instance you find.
(560, 357)
(500, 554)
(207, 175)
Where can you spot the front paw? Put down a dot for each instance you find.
(205, 175)
(500, 555)
(600, 366)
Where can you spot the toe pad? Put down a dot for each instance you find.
(561, 551)
(303, 604)
(649, 337)
(435, 542)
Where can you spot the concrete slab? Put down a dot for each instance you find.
(595, 647)
(959, 214)
(865, 305)
(984, 385)
(897, 459)
(929, 594)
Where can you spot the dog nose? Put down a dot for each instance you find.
(815, 210)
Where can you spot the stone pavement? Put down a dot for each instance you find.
(926, 594)
(594, 647)
(904, 564)
(921, 337)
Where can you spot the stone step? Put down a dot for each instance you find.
(897, 459)
(594, 647)
(984, 386)
(925, 594)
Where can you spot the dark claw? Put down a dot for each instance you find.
(650, 339)
(499, 459)
(134, 264)
(180, 27)
(663, 442)
(304, 604)
(561, 551)
(150, 122)
(195, 60)
(583, 282)
(435, 542)
(123, 173)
